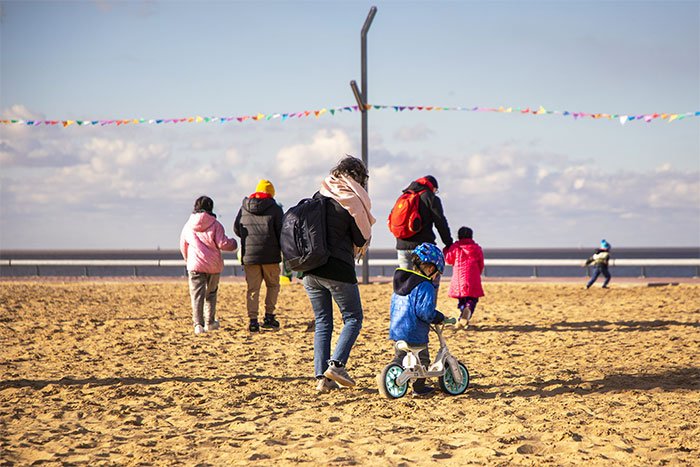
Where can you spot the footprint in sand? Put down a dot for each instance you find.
(529, 449)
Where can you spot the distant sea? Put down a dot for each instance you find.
(491, 271)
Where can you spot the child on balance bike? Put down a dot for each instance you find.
(413, 314)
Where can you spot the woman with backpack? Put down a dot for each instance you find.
(348, 231)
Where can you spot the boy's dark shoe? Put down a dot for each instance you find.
(270, 322)
(254, 326)
(423, 391)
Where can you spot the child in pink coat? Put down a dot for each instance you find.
(201, 242)
(468, 260)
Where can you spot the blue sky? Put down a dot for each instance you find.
(517, 180)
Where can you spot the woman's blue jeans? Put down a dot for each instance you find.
(322, 292)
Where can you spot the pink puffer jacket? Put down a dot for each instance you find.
(201, 242)
(468, 261)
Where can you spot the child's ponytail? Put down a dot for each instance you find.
(204, 204)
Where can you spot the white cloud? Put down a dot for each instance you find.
(674, 192)
(664, 168)
(299, 169)
(507, 191)
(197, 179)
(512, 195)
(112, 154)
(326, 149)
(233, 157)
(20, 112)
(418, 132)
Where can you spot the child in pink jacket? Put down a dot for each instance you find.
(201, 242)
(468, 260)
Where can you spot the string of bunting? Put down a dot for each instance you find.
(622, 118)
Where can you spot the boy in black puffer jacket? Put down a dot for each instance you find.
(258, 224)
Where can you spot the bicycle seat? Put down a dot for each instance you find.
(403, 345)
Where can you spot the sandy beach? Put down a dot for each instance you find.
(110, 373)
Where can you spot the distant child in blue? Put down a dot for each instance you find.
(413, 306)
(600, 261)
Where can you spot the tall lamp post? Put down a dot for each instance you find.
(361, 98)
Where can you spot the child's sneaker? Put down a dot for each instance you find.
(254, 326)
(465, 317)
(198, 329)
(213, 326)
(270, 322)
(326, 385)
(339, 374)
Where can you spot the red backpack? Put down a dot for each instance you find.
(404, 219)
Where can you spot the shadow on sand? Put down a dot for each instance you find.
(683, 379)
(591, 326)
(96, 382)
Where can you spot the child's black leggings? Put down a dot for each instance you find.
(423, 356)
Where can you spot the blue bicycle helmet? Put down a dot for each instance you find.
(430, 253)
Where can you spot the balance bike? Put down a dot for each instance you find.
(451, 373)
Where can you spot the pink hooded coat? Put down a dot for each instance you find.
(468, 261)
(201, 242)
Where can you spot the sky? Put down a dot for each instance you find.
(519, 180)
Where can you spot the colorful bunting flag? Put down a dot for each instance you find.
(622, 118)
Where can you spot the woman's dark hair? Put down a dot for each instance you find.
(465, 232)
(204, 204)
(352, 167)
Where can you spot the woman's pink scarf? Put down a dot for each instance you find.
(354, 199)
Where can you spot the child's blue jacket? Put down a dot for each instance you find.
(412, 307)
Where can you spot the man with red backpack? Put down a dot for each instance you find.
(415, 213)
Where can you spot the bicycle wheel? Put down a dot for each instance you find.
(450, 386)
(386, 380)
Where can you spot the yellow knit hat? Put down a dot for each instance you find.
(265, 186)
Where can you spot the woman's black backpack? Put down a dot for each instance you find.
(303, 238)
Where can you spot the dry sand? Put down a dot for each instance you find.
(111, 374)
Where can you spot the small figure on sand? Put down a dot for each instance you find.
(468, 260)
(599, 260)
(201, 241)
